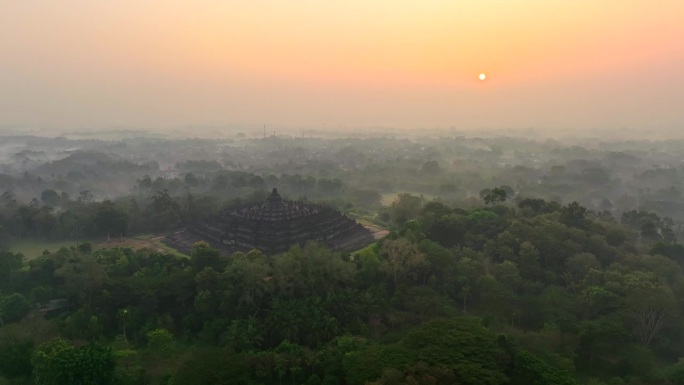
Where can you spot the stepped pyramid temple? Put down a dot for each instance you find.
(273, 226)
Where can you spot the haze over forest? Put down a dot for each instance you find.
(347, 192)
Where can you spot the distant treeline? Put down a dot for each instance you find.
(603, 176)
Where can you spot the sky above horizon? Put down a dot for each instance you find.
(555, 65)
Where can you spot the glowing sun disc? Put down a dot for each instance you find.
(482, 76)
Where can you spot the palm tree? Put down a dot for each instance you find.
(123, 316)
(285, 319)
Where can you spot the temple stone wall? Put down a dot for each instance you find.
(276, 225)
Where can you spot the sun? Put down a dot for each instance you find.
(482, 76)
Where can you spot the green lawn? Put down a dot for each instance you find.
(365, 250)
(145, 237)
(33, 248)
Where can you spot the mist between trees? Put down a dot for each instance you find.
(509, 261)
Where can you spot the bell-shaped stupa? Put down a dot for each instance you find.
(275, 225)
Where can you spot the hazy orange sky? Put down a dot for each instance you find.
(352, 63)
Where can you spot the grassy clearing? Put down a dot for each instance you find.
(145, 237)
(33, 247)
(370, 249)
(388, 198)
(143, 241)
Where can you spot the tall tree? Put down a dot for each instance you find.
(110, 220)
(50, 197)
(10, 264)
(59, 362)
(15, 358)
(402, 258)
(404, 208)
(493, 196)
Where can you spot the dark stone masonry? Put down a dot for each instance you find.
(273, 227)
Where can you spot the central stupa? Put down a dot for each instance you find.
(276, 224)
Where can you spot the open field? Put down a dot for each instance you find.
(33, 247)
(143, 241)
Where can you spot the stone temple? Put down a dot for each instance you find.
(273, 226)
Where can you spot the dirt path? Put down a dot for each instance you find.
(378, 232)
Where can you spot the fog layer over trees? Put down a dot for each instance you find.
(508, 261)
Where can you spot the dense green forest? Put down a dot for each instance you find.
(525, 293)
(510, 261)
